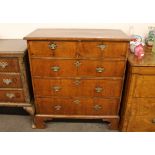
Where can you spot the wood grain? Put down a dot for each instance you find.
(76, 34)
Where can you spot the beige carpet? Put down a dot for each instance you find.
(20, 123)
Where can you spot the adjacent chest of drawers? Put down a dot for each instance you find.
(138, 111)
(77, 73)
(14, 87)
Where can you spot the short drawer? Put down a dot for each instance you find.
(10, 81)
(77, 87)
(9, 65)
(141, 123)
(143, 106)
(77, 106)
(103, 49)
(11, 96)
(145, 86)
(81, 49)
(53, 48)
(143, 70)
(67, 68)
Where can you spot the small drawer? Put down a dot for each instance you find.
(10, 81)
(68, 68)
(77, 106)
(77, 87)
(145, 86)
(143, 70)
(53, 48)
(103, 49)
(141, 124)
(143, 106)
(11, 96)
(9, 65)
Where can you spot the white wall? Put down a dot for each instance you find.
(19, 30)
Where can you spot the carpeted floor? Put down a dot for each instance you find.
(22, 123)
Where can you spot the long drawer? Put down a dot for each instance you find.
(141, 123)
(144, 86)
(12, 96)
(9, 65)
(67, 68)
(74, 49)
(10, 81)
(77, 87)
(77, 106)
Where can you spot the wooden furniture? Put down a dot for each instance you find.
(77, 73)
(138, 107)
(14, 88)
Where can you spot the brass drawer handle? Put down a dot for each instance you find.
(77, 82)
(76, 101)
(52, 46)
(10, 95)
(55, 68)
(56, 88)
(102, 46)
(97, 107)
(153, 121)
(57, 107)
(7, 81)
(77, 63)
(100, 69)
(98, 89)
(3, 65)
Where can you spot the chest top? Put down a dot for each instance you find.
(78, 34)
(12, 47)
(147, 60)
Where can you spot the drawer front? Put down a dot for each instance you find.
(101, 68)
(77, 106)
(11, 96)
(53, 68)
(141, 123)
(145, 86)
(10, 81)
(74, 49)
(143, 70)
(67, 68)
(72, 88)
(143, 106)
(53, 48)
(9, 65)
(103, 49)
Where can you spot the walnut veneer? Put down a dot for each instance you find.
(138, 106)
(14, 75)
(77, 73)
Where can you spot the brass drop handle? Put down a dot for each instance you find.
(97, 107)
(77, 63)
(77, 82)
(56, 88)
(76, 101)
(55, 68)
(52, 46)
(57, 107)
(153, 121)
(100, 69)
(10, 95)
(7, 81)
(3, 65)
(98, 89)
(102, 46)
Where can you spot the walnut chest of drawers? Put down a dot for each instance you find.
(14, 87)
(138, 107)
(77, 73)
